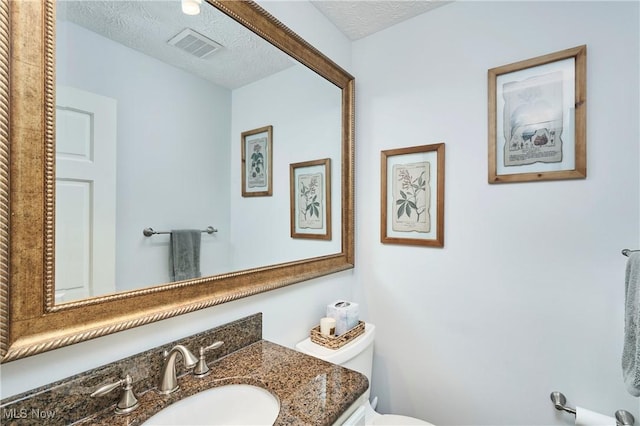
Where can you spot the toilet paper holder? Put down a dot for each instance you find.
(623, 417)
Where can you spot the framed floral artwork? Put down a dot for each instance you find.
(412, 195)
(257, 162)
(311, 199)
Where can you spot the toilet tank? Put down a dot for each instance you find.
(356, 355)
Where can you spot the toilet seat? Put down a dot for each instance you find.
(392, 419)
(371, 417)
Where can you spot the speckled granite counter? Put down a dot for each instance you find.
(310, 391)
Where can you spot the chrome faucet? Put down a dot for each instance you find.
(168, 379)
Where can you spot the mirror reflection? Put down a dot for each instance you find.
(150, 106)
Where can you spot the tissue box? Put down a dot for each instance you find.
(345, 313)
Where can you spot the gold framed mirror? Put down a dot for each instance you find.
(31, 321)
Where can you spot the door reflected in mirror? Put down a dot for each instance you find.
(148, 135)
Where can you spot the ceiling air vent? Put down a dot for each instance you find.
(194, 43)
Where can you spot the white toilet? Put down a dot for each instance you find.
(358, 355)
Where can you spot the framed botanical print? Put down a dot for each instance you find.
(311, 199)
(257, 162)
(412, 195)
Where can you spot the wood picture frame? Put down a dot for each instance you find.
(257, 162)
(537, 118)
(412, 195)
(311, 199)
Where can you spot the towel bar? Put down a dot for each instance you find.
(623, 417)
(149, 231)
(627, 251)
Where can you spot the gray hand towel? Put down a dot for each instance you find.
(631, 348)
(184, 257)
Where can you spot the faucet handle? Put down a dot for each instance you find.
(128, 401)
(202, 369)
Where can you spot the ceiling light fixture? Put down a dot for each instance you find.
(191, 7)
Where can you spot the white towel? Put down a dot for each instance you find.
(631, 348)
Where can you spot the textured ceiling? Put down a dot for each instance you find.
(359, 18)
(146, 26)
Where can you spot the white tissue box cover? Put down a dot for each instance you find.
(345, 313)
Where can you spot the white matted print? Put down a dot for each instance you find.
(537, 119)
(257, 162)
(412, 195)
(311, 199)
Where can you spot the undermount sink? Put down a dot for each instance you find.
(224, 405)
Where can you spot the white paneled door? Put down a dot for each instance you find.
(85, 194)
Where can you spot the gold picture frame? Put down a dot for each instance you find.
(412, 195)
(257, 169)
(30, 321)
(311, 199)
(537, 118)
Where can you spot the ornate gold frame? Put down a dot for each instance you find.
(31, 322)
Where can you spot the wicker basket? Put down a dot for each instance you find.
(335, 342)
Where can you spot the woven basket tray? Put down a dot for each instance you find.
(335, 342)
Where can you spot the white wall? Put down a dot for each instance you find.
(288, 313)
(527, 295)
(173, 151)
(481, 331)
(305, 112)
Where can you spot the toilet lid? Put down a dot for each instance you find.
(392, 419)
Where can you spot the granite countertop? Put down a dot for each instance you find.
(310, 391)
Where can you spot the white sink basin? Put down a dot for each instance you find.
(224, 405)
